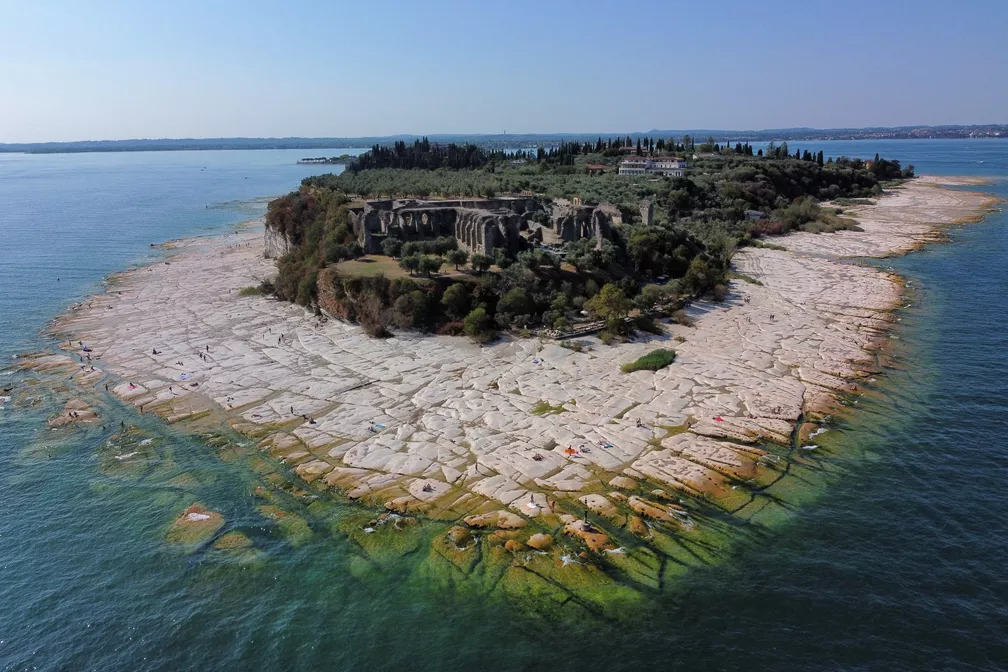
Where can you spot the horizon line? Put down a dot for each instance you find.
(502, 134)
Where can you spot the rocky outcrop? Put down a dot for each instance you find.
(275, 244)
(479, 225)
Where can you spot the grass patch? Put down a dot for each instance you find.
(672, 430)
(682, 318)
(371, 265)
(576, 346)
(744, 278)
(653, 361)
(251, 290)
(544, 408)
(619, 416)
(829, 223)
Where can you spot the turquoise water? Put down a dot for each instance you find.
(899, 565)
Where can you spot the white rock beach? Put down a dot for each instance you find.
(438, 425)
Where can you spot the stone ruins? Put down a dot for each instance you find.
(483, 225)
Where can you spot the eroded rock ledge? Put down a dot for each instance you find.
(439, 428)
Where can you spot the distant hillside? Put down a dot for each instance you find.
(507, 140)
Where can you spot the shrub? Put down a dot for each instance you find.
(653, 361)
(410, 310)
(451, 329)
(373, 316)
(680, 317)
(251, 290)
(720, 292)
(477, 325)
(307, 290)
(649, 325)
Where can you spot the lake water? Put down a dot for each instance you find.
(900, 564)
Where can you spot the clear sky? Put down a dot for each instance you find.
(73, 70)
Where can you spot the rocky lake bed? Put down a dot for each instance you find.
(521, 469)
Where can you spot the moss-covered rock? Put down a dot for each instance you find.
(232, 541)
(195, 527)
(293, 527)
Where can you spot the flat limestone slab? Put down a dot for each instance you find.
(439, 420)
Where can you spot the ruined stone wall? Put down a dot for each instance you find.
(647, 212)
(482, 225)
(482, 231)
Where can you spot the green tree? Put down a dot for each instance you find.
(529, 260)
(430, 265)
(477, 325)
(610, 304)
(410, 263)
(410, 310)
(391, 247)
(515, 302)
(481, 262)
(501, 258)
(456, 300)
(457, 258)
(650, 296)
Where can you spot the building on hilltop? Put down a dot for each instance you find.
(659, 165)
(633, 165)
(595, 168)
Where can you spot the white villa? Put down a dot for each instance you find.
(660, 165)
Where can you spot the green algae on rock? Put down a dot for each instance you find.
(196, 526)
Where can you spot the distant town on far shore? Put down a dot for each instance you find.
(506, 139)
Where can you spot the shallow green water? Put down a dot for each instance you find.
(898, 562)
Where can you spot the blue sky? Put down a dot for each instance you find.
(72, 70)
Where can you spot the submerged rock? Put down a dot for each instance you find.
(652, 510)
(595, 539)
(460, 536)
(504, 520)
(232, 541)
(540, 541)
(75, 410)
(195, 526)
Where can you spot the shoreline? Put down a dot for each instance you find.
(462, 420)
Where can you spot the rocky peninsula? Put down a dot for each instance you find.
(547, 467)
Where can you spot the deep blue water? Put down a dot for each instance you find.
(900, 564)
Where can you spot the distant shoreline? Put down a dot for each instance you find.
(975, 132)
